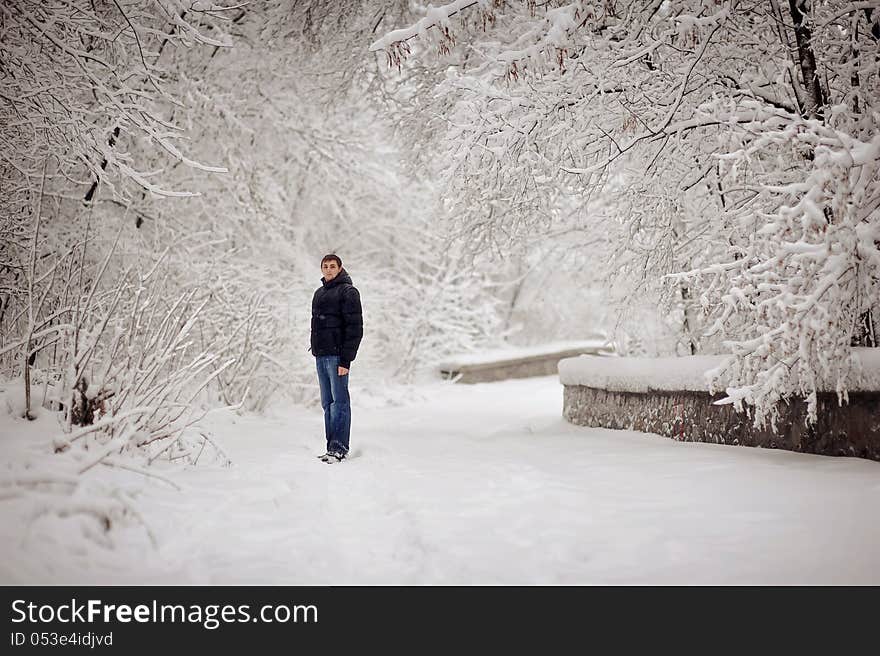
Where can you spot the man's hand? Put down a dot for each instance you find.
(342, 371)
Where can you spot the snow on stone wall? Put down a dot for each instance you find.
(689, 373)
(520, 352)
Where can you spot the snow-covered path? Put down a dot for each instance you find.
(486, 484)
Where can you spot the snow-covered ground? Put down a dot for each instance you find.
(464, 484)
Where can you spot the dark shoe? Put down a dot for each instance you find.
(334, 456)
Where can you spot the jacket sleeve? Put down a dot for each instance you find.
(353, 326)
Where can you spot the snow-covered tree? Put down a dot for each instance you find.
(84, 88)
(733, 146)
(109, 113)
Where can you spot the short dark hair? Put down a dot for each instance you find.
(332, 256)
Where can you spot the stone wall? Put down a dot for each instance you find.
(849, 430)
(487, 373)
(503, 368)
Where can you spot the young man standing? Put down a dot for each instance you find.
(337, 329)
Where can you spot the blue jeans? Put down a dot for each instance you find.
(335, 401)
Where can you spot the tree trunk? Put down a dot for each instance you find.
(866, 331)
(686, 324)
(814, 99)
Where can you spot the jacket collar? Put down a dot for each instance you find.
(342, 277)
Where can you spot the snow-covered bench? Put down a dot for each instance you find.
(517, 362)
(670, 396)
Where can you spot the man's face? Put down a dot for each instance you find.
(330, 269)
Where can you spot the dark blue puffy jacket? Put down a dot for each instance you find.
(337, 320)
